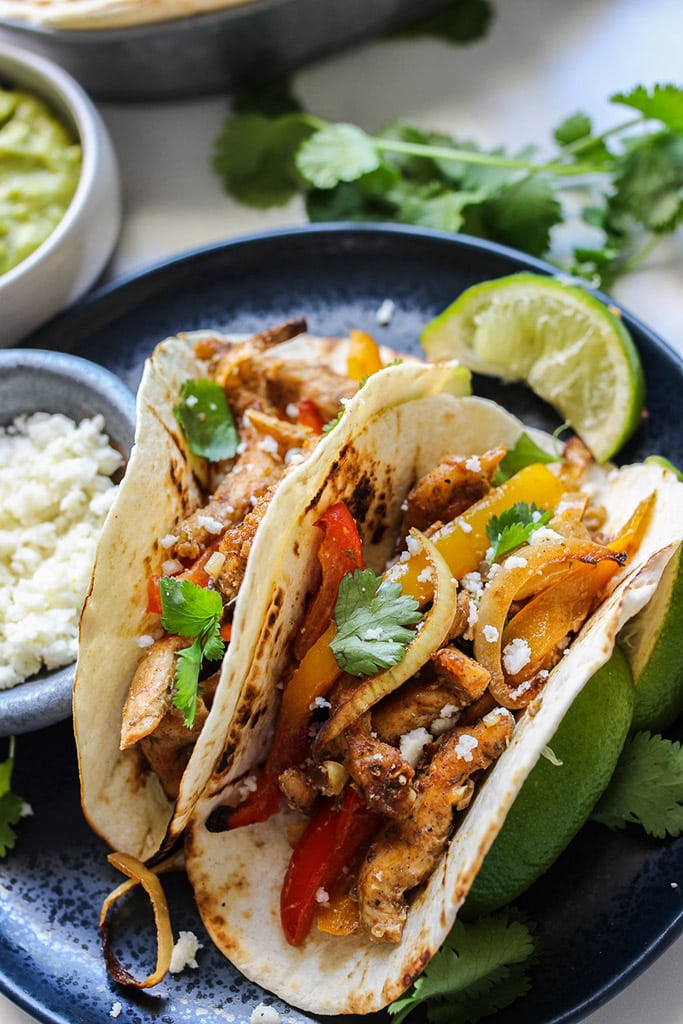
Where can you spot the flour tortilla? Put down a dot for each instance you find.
(237, 875)
(91, 15)
(122, 798)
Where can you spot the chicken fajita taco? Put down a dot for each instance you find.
(183, 575)
(444, 592)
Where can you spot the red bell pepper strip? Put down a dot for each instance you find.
(326, 846)
(309, 415)
(340, 552)
(195, 573)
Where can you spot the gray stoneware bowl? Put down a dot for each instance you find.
(33, 380)
(71, 258)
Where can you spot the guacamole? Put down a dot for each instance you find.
(40, 165)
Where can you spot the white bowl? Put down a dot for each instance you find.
(71, 258)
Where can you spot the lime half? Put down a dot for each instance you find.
(569, 348)
(561, 791)
(653, 643)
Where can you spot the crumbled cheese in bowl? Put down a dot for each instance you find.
(55, 492)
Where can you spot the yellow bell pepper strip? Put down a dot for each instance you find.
(463, 542)
(327, 845)
(340, 552)
(364, 356)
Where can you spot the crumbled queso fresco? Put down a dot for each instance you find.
(55, 492)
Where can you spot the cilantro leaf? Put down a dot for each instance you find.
(514, 526)
(523, 214)
(192, 611)
(372, 616)
(525, 452)
(11, 805)
(664, 103)
(206, 420)
(188, 667)
(337, 152)
(646, 788)
(254, 157)
(481, 968)
(576, 126)
(187, 609)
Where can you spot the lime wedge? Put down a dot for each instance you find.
(566, 345)
(653, 643)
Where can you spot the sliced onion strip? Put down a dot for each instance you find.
(139, 874)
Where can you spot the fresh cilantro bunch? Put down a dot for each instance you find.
(372, 617)
(514, 526)
(191, 611)
(11, 805)
(481, 968)
(630, 176)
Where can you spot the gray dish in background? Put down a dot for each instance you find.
(33, 380)
(218, 51)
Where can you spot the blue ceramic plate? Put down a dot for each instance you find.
(606, 909)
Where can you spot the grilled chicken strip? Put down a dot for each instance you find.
(451, 487)
(406, 852)
(255, 470)
(457, 681)
(149, 696)
(383, 776)
(289, 381)
(236, 544)
(150, 717)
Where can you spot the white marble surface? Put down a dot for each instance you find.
(540, 62)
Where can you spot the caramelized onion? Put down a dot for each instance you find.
(139, 874)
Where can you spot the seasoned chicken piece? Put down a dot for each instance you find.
(149, 696)
(150, 717)
(378, 769)
(466, 677)
(298, 790)
(288, 382)
(254, 472)
(461, 619)
(240, 370)
(406, 852)
(450, 488)
(169, 747)
(214, 348)
(236, 545)
(286, 434)
(414, 705)
(457, 681)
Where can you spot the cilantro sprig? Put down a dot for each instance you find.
(646, 788)
(482, 967)
(525, 452)
(372, 616)
(514, 526)
(629, 177)
(11, 805)
(191, 611)
(206, 420)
